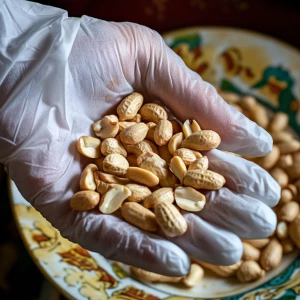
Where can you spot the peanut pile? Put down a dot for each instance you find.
(151, 168)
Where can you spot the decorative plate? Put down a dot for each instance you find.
(236, 60)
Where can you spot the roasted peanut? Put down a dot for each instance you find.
(288, 147)
(170, 220)
(190, 126)
(110, 178)
(89, 146)
(87, 181)
(203, 179)
(142, 176)
(113, 198)
(223, 271)
(269, 161)
(139, 216)
(271, 255)
(282, 230)
(175, 142)
(294, 231)
(129, 107)
(278, 122)
(189, 199)
(187, 155)
(163, 132)
(159, 196)
(178, 167)
(258, 243)
(194, 276)
(250, 252)
(107, 127)
(280, 176)
(115, 164)
(153, 112)
(139, 192)
(112, 146)
(134, 133)
(249, 271)
(202, 140)
(84, 200)
(289, 211)
(164, 153)
(199, 164)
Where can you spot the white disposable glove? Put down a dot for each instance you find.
(58, 75)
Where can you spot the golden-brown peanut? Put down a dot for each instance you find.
(294, 231)
(280, 176)
(139, 192)
(143, 157)
(142, 176)
(139, 148)
(258, 243)
(269, 161)
(190, 126)
(163, 132)
(144, 275)
(282, 230)
(139, 216)
(176, 126)
(178, 167)
(249, 271)
(278, 122)
(203, 179)
(194, 276)
(288, 147)
(189, 199)
(113, 198)
(223, 271)
(164, 153)
(175, 142)
(250, 252)
(101, 186)
(115, 164)
(87, 181)
(134, 133)
(187, 155)
(110, 178)
(89, 146)
(160, 195)
(202, 140)
(293, 189)
(199, 164)
(112, 146)
(170, 220)
(271, 255)
(107, 127)
(153, 112)
(289, 211)
(151, 128)
(129, 107)
(84, 200)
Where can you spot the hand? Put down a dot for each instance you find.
(62, 75)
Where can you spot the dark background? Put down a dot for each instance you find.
(280, 19)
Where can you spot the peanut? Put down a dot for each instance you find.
(178, 167)
(271, 255)
(159, 196)
(190, 126)
(134, 133)
(287, 245)
(269, 161)
(89, 146)
(87, 181)
(106, 127)
(258, 243)
(164, 153)
(113, 198)
(280, 176)
(294, 231)
(170, 220)
(223, 271)
(289, 211)
(142, 176)
(175, 142)
(129, 107)
(187, 155)
(153, 112)
(278, 122)
(110, 178)
(139, 216)
(139, 192)
(84, 200)
(199, 164)
(123, 125)
(112, 146)
(249, 271)
(163, 132)
(203, 179)
(202, 140)
(115, 164)
(288, 147)
(250, 252)
(194, 276)
(282, 230)
(189, 199)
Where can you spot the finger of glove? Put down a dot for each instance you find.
(245, 177)
(208, 242)
(245, 216)
(166, 77)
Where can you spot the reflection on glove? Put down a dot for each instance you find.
(58, 75)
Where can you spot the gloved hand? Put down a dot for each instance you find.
(58, 75)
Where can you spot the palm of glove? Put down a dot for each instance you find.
(108, 61)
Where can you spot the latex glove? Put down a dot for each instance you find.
(58, 75)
